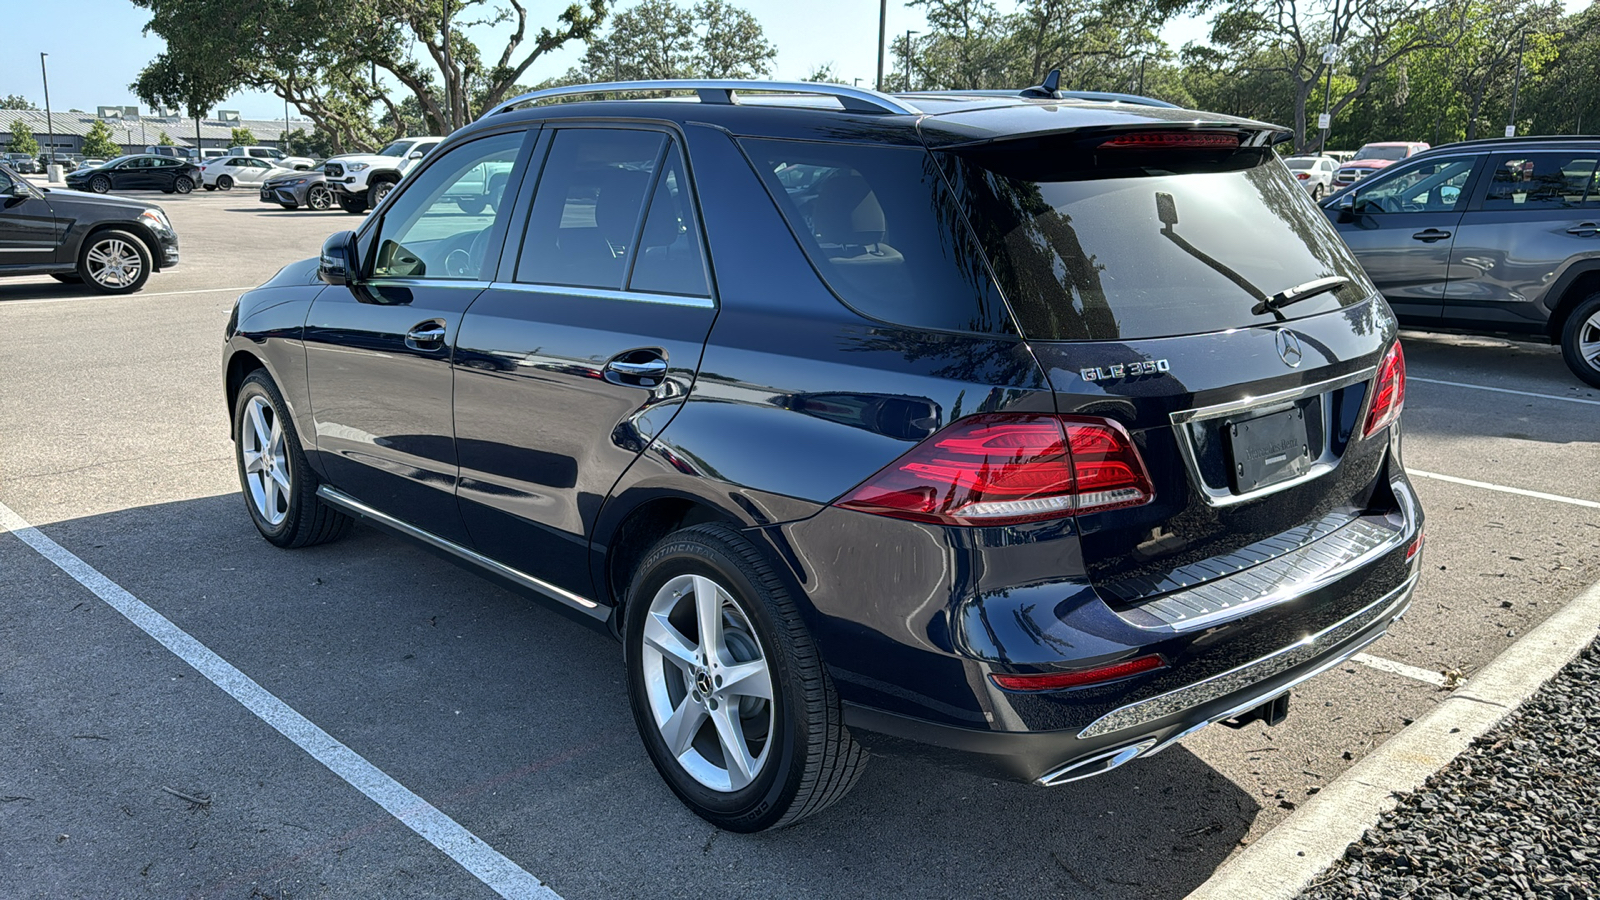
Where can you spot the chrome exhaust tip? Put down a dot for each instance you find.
(1099, 764)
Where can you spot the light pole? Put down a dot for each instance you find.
(909, 33)
(883, 37)
(1516, 83)
(1330, 54)
(49, 122)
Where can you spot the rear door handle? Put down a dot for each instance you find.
(639, 368)
(427, 335)
(1585, 229)
(1429, 235)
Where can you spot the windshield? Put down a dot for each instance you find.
(1152, 254)
(1374, 152)
(398, 148)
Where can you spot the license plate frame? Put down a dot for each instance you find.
(1268, 449)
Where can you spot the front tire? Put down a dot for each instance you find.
(728, 691)
(379, 190)
(1580, 340)
(280, 490)
(100, 184)
(352, 203)
(224, 183)
(319, 198)
(114, 262)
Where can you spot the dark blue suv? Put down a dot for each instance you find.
(1027, 431)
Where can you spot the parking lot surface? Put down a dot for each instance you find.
(129, 774)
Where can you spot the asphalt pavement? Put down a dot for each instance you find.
(125, 773)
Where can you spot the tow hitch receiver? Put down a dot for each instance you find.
(1272, 712)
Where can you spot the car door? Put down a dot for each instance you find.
(127, 175)
(568, 364)
(1533, 212)
(1401, 224)
(378, 351)
(28, 235)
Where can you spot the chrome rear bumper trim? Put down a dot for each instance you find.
(1243, 677)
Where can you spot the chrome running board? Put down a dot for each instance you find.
(565, 597)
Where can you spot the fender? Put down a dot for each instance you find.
(1559, 291)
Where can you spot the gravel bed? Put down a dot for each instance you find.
(1516, 816)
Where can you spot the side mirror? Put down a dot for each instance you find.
(1346, 206)
(338, 265)
(20, 190)
(415, 154)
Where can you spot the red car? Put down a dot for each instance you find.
(1372, 157)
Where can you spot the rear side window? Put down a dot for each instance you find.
(586, 211)
(1542, 181)
(885, 233)
(1141, 252)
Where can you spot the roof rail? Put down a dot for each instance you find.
(721, 90)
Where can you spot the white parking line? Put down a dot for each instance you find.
(135, 295)
(1284, 860)
(502, 875)
(1399, 668)
(1523, 492)
(1484, 387)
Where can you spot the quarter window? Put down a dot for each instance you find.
(437, 228)
(585, 216)
(670, 260)
(1542, 181)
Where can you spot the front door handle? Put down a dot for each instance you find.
(637, 368)
(654, 368)
(1429, 235)
(427, 335)
(1585, 229)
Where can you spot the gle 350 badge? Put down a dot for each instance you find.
(1138, 369)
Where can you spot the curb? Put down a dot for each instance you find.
(1286, 859)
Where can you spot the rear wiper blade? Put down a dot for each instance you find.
(1301, 292)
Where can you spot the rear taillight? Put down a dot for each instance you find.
(1004, 469)
(1388, 391)
(1172, 140)
(1055, 681)
(1303, 176)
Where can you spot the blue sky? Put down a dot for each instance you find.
(97, 47)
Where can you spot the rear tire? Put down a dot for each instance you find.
(289, 205)
(352, 203)
(210, 187)
(1580, 340)
(778, 709)
(224, 183)
(280, 490)
(183, 185)
(472, 207)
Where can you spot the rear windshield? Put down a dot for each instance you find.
(1142, 252)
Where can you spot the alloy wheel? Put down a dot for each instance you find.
(708, 683)
(113, 263)
(319, 197)
(266, 462)
(183, 185)
(1589, 341)
(100, 184)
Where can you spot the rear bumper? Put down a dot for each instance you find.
(1141, 728)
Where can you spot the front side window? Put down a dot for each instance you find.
(586, 211)
(398, 148)
(426, 233)
(1542, 181)
(1430, 187)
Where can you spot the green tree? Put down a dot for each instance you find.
(164, 140)
(660, 39)
(241, 137)
(98, 143)
(823, 74)
(15, 101)
(1562, 98)
(316, 144)
(193, 85)
(22, 139)
(319, 54)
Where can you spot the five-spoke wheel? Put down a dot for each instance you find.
(265, 464)
(280, 490)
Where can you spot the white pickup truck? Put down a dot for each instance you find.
(360, 182)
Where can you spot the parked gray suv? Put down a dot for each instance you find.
(1498, 236)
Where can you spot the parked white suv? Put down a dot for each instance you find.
(275, 156)
(360, 182)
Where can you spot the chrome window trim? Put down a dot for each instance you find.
(605, 294)
(1325, 463)
(388, 281)
(352, 505)
(1206, 690)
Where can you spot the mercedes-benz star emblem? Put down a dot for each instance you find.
(1289, 348)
